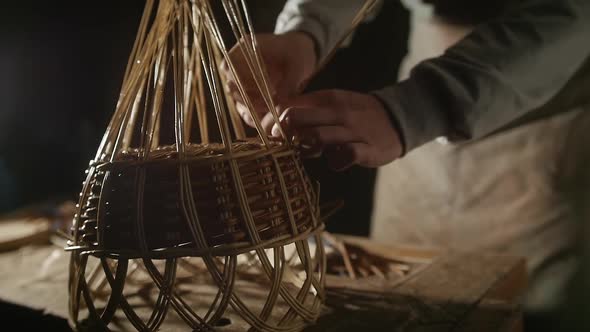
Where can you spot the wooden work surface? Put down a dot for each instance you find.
(451, 292)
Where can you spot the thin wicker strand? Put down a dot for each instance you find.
(158, 192)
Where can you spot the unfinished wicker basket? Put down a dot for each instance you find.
(183, 217)
(176, 182)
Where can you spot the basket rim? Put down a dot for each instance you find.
(172, 157)
(183, 250)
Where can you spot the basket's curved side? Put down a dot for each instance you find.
(176, 178)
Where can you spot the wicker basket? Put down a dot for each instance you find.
(178, 195)
(276, 191)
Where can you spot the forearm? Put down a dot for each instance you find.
(499, 72)
(325, 20)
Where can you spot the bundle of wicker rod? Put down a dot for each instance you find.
(177, 181)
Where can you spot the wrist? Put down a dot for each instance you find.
(395, 122)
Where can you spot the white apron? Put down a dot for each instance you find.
(507, 193)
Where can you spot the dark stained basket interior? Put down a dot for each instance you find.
(124, 193)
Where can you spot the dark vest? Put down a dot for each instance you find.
(470, 11)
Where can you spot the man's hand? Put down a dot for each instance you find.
(290, 60)
(348, 127)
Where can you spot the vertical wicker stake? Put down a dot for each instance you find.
(181, 216)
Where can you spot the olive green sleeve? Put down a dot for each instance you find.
(499, 72)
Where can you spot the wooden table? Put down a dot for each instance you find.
(452, 292)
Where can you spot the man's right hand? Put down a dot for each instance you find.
(290, 60)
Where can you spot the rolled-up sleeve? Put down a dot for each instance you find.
(502, 70)
(325, 20)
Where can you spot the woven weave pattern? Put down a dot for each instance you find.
(177, 183)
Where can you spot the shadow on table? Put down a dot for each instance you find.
(31, 320)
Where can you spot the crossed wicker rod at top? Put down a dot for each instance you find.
(195, 58)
